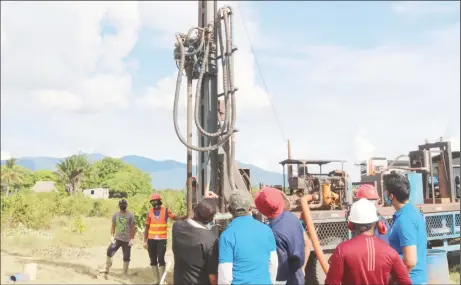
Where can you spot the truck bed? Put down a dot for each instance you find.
(442, 222)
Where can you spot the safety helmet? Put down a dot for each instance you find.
(155, 196)
(363, 212)
(366, 191)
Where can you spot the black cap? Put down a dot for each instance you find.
(122, 202)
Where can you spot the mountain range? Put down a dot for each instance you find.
(166, 174)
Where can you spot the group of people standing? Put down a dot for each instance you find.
(251, 252)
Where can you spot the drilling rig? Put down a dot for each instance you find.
(197, 54)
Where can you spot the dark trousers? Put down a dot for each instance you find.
(126, 249)
(157, 250)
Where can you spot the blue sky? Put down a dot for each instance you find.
(351, 24)
(348, 79)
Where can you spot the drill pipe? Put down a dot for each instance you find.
(391, 166)
(312, 233)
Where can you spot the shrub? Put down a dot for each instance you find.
(78, 225)
(37, 210)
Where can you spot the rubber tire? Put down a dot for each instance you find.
(314, 274)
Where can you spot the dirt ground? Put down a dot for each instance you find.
(81, 267)
(64, 257)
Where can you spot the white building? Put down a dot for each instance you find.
(97, 193)
(44, 186)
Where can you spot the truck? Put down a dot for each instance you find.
(333, 193)
(198, 54)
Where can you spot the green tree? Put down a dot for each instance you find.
(71, 172)
(129, 182)
(12, 175)
(103, 170)
(45, 175)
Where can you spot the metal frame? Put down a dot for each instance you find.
(445, 151)
(289, 162)
(445, 218)
(335, 229)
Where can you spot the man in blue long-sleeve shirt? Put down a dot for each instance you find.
(288, 234)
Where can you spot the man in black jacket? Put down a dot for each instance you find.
(195, 247)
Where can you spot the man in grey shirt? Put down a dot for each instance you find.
(122, 235)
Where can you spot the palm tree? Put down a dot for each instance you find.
(71, 171)
(12, 175)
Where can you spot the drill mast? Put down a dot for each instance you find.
(207, 162)
(197, 55)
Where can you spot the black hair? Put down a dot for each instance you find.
(361, 228)
(205, 210)
(397, 185)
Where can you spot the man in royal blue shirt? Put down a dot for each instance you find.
(408, 232)
(247, 250)
(288, 235)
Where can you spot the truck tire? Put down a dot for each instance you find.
(314, 274)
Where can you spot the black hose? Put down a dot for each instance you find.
(227, 130)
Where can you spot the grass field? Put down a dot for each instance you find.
(68, 238)
(66, 257)
(454, 273)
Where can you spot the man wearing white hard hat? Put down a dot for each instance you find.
(365, 259)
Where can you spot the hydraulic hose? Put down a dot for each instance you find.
(312, 232)
(200, 55)
(176, 103)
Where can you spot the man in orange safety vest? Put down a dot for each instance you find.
(155, 235)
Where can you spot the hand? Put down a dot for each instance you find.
(211, 194)
(112, 240)
(145, 245)
(131, 242)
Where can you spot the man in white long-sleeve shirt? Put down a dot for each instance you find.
(247, 250)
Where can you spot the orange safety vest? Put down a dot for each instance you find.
(158, 226)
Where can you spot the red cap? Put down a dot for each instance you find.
(366, 191)
(270, 202)
(155, 196)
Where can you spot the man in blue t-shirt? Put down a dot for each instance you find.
(408, 233)
(247, 250)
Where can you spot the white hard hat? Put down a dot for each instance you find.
(363, 212)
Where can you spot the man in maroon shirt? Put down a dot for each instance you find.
(365, 259)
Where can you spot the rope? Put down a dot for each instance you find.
(261, 75)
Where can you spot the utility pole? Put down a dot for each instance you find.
(207, 162)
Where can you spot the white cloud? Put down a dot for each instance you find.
(59, 49)
(425, 7)
(65, 88)
(3, 35)
(5, 155)
(364, 148)
(455, 141)
(61, 100)
(400, 94)
(250, 95)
